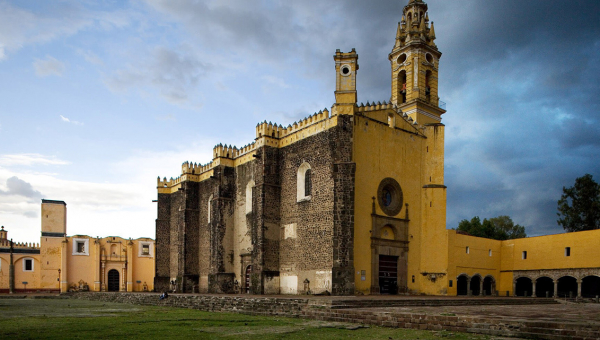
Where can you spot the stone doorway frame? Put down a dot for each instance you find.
(396, 247)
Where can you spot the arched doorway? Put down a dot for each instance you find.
(489, 286)
(590, 286)
(462, 285)
(523, 287)
(544, 287)
(247, 279)
(113, 280)
(567, 286)
(475, 285)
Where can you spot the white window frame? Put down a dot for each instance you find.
(32, 264)
(210, 199)
(249, 188)
(86, 246)
(301, 182)
(141, 245)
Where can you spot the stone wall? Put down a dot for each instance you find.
(356, 312)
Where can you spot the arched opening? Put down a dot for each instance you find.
(304, 182)
(409, 18)
(462, 285)
(247, 279)
(387, 233)
(489, 286)
(590, 286)
(523, 287)
(567, 287)
(113, 280)
(475, 285)
(113, 250)
(402, 86)
(544, 287)
(428, 85)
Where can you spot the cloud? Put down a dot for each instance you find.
(175, 74)
(18, 187)
(67, 120)
(29, 159)
(48, 67)
(90, 57)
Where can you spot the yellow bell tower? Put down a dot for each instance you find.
(415, 61)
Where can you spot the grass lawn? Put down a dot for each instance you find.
(77, 319)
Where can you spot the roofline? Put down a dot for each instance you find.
(53, 202)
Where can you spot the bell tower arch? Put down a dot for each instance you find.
(414, 62)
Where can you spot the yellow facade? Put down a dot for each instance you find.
(75, 263)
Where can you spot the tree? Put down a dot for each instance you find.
(498, 228)
(579, 205)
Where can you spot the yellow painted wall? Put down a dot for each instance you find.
(381, 151)
(476, 261)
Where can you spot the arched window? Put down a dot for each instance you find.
(304, 185)
(208, 208)
(249, 187)
(428, 85)
(402, 86)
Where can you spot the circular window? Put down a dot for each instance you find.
(429, 58)
(401, 59)
(345, 70)
(389, 196)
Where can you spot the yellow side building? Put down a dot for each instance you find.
(74, 263)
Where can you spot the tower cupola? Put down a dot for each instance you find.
(415, 61)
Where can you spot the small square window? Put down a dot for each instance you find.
(80, 247)
(146, 249)
(568, 251)
(28, 265)
(467, 250)
(524, 256)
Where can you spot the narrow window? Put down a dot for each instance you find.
(402, 86)
(467, 249)
(209, 207)
(307, 183)
(450, 284)
(249, 187)
(524, 256)
(146, 249)
(490, 252)
(568, 251)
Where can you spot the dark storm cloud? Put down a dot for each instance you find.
(521, 78)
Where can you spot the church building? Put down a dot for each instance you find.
(349, 201)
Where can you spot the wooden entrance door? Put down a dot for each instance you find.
(113, 280)
(388, 274)
(247, 278)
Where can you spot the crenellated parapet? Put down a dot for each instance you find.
(19, 245)
(271, 130)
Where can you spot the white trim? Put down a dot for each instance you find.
(32, 264)
(86, 246)
(249, 187)
(349, 69)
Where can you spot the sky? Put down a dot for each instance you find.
(99, 98)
